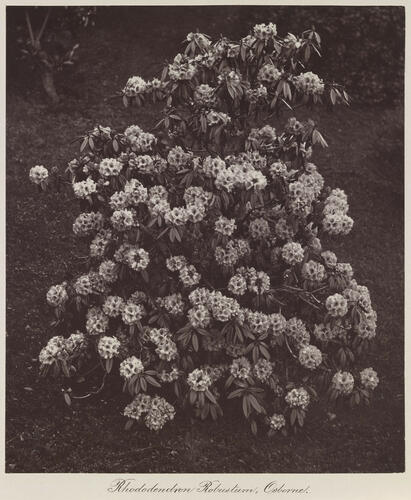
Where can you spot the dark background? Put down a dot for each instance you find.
(363, 48)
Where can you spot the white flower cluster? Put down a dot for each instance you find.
(140, 141)
(57, 295)
(297, 331)
(170, 376)
(304, 191)
(248, 278)
(310, 357)
(83, 285)
(178, 158)
(110, 167)
(211, 167)
(199, 316)
(108, 347)
(337, 305)
(173, 304)
(113, 306)
(343, 382)
(241, 175)
(88, 223)
(157, 411)
(359, 295)
(182, 68)
(276, 421)
(130, 367)
(263, 370)
(123, 219)
(309, 83)
(269, 74)
(204, 95)
(234, 250)
(132, 313)
(201, 40)
(134, 257)
(221, 307)
(83, 189)
(330, 259)
(135, 85)
(225, 226)
(369, 378)
(326, 332)
(292, 253)
(240, 368)
(336, 221)
(96, 321)
(313, 271)
(292, 42)
(176, 263)
(265, 31)
(258, 94)
(258, 322)
(215, 118)
(298, 398)
(60, 348)
(38, 174)
(166, 348)
(199, 380)
(99, 244)
(286, 232)
(135, 192)
(259, 229)
(108, 270)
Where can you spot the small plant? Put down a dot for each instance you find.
(207, 280)
(49, 47)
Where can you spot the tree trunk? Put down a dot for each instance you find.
(47, 78)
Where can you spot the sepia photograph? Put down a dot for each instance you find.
(204, 241)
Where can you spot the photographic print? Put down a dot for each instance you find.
(205, 239)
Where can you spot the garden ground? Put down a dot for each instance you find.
(45, 435)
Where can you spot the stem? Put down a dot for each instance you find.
(43, 26)
(28, 22)
(92, 393)
(47, 78)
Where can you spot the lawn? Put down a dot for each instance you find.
(45, 435)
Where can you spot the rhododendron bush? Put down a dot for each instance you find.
(207, 281)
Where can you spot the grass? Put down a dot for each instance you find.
(43, 434)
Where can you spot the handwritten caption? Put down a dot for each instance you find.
(203, 487)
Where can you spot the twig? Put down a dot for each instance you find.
(43, 26)
(12, 439)
(92, 393)
(28, 22)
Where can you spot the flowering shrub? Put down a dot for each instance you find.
(206, 276)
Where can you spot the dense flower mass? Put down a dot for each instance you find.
(207, 276)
